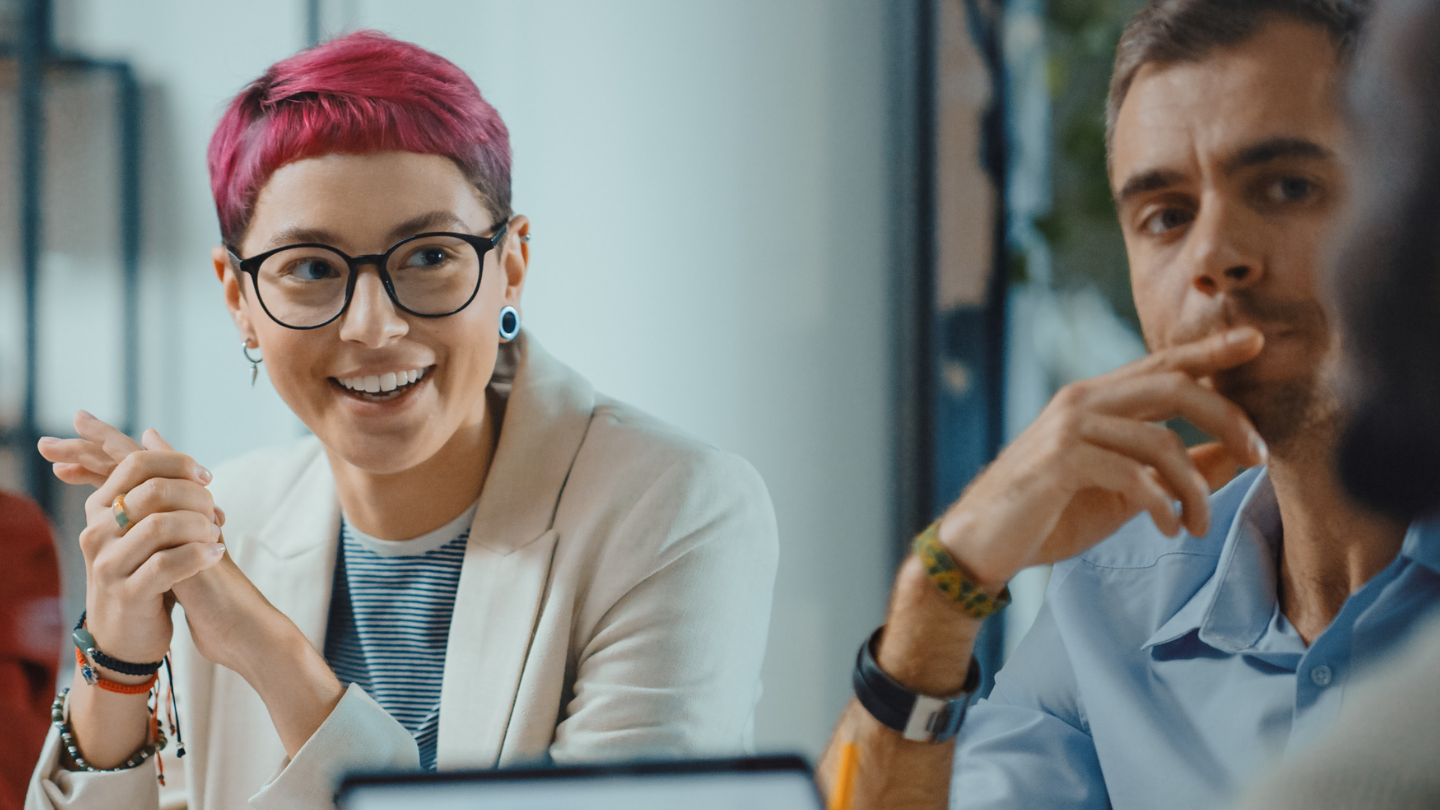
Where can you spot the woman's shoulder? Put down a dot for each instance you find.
(266, 475)
(634, 447)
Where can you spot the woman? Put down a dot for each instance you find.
(498, 563)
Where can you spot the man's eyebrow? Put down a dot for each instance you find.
(1276, 149)
(1153, 180)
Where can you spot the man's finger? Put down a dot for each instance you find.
(1160, 448)
(1215, 463)
(1217, 352)
(1162, 397)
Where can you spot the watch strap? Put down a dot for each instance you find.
(917, 717)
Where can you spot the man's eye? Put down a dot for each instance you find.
(1166, 219)
(1289, 189)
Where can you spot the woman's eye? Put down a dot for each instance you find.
(313, 270)
(1166, 219)
(1289, 189)
(428, 257)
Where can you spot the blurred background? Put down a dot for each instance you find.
(859, 242)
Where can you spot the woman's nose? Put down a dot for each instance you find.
(371, 319)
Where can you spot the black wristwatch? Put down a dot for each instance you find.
(918, 717)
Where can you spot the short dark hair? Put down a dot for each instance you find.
(1169, 31)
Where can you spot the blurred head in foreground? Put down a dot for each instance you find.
(1385, 281)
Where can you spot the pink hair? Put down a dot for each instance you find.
(358, 94)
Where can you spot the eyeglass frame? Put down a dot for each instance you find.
(482, 245)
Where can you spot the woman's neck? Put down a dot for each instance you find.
(406, 505)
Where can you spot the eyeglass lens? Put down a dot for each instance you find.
(432, 275)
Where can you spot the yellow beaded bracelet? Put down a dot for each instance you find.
(952, 579)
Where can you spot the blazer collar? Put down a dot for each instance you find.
(547, 414)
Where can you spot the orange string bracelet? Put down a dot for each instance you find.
(118, 688)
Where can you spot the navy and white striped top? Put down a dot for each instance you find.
(390, 618)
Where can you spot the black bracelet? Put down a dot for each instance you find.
(918, 717)
(85, 643)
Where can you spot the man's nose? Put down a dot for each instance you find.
(1222, 257)
(372, 319)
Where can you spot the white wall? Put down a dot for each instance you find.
(707, 181)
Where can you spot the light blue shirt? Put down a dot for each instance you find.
(1161, 673)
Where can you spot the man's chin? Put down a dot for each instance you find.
(1290, 414)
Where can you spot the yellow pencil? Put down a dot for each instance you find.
(843, 791)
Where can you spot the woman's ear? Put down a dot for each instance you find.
(515, 258)
(234, 289)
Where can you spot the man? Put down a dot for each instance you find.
(30, 638)
(1167, 667)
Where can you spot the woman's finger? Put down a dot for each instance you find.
(123, 556)
(151, 440)
(77, 474)
(164, 569)
(76, 451)
(158, 495)
(139, 467)
(115, 444)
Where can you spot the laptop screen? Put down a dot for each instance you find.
(761, 783)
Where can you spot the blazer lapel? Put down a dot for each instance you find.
(507, 561)
(294, 562)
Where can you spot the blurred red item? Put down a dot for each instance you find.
(30, 636)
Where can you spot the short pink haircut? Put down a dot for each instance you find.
(358, 94)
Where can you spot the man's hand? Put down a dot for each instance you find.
(1092, 461)
(1095, 458)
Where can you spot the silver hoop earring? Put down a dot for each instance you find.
(509, 322)
(254, 361)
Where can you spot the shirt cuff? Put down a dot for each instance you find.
(54, 788)
(357, 736)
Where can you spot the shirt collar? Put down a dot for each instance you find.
(1234, 608)
(1422, 542)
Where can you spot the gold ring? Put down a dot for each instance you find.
(117, 508)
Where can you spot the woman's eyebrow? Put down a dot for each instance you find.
(429, 221)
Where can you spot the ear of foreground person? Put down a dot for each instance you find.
(1177, 657)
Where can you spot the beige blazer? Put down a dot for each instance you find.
(613, 603)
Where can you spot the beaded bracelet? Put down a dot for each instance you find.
(952, 579)
(67, 739)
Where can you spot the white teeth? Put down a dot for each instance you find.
(382, 383)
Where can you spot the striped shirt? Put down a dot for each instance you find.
(390, 618)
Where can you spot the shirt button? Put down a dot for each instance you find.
(1320, 676)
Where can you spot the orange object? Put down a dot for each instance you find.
(118, 688)
(842, 793)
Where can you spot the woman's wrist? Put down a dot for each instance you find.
(292, 678)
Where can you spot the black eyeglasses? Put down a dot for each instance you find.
(430, 275)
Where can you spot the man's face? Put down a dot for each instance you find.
(1227, 176)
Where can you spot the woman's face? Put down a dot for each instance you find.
(363, 204)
